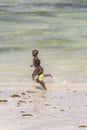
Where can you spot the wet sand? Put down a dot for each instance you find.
(62, 106)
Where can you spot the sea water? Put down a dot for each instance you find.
(58, 29)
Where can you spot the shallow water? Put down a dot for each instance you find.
(58, 29)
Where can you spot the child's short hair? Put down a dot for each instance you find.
(35, 52)
(37, 62)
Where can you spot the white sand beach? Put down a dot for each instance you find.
(58, 30)
(26, 107)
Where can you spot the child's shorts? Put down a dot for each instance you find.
(41, 77)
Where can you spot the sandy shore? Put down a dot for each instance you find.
(28, 107)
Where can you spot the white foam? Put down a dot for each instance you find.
(64, 81)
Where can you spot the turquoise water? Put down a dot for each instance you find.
(58, 29)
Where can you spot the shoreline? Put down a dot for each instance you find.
(20, 85)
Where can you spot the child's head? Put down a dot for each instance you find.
(35, 52)
(37, 62)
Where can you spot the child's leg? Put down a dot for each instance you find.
(42, 83)
(33, 74)
(46, 75)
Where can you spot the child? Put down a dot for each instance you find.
(35, 55)
(40, 72)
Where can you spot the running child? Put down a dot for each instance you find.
(39, 71)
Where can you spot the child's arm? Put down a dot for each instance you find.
(33, 62)
(31, 65)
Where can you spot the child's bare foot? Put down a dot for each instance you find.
(50, 75)
(45, 89)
